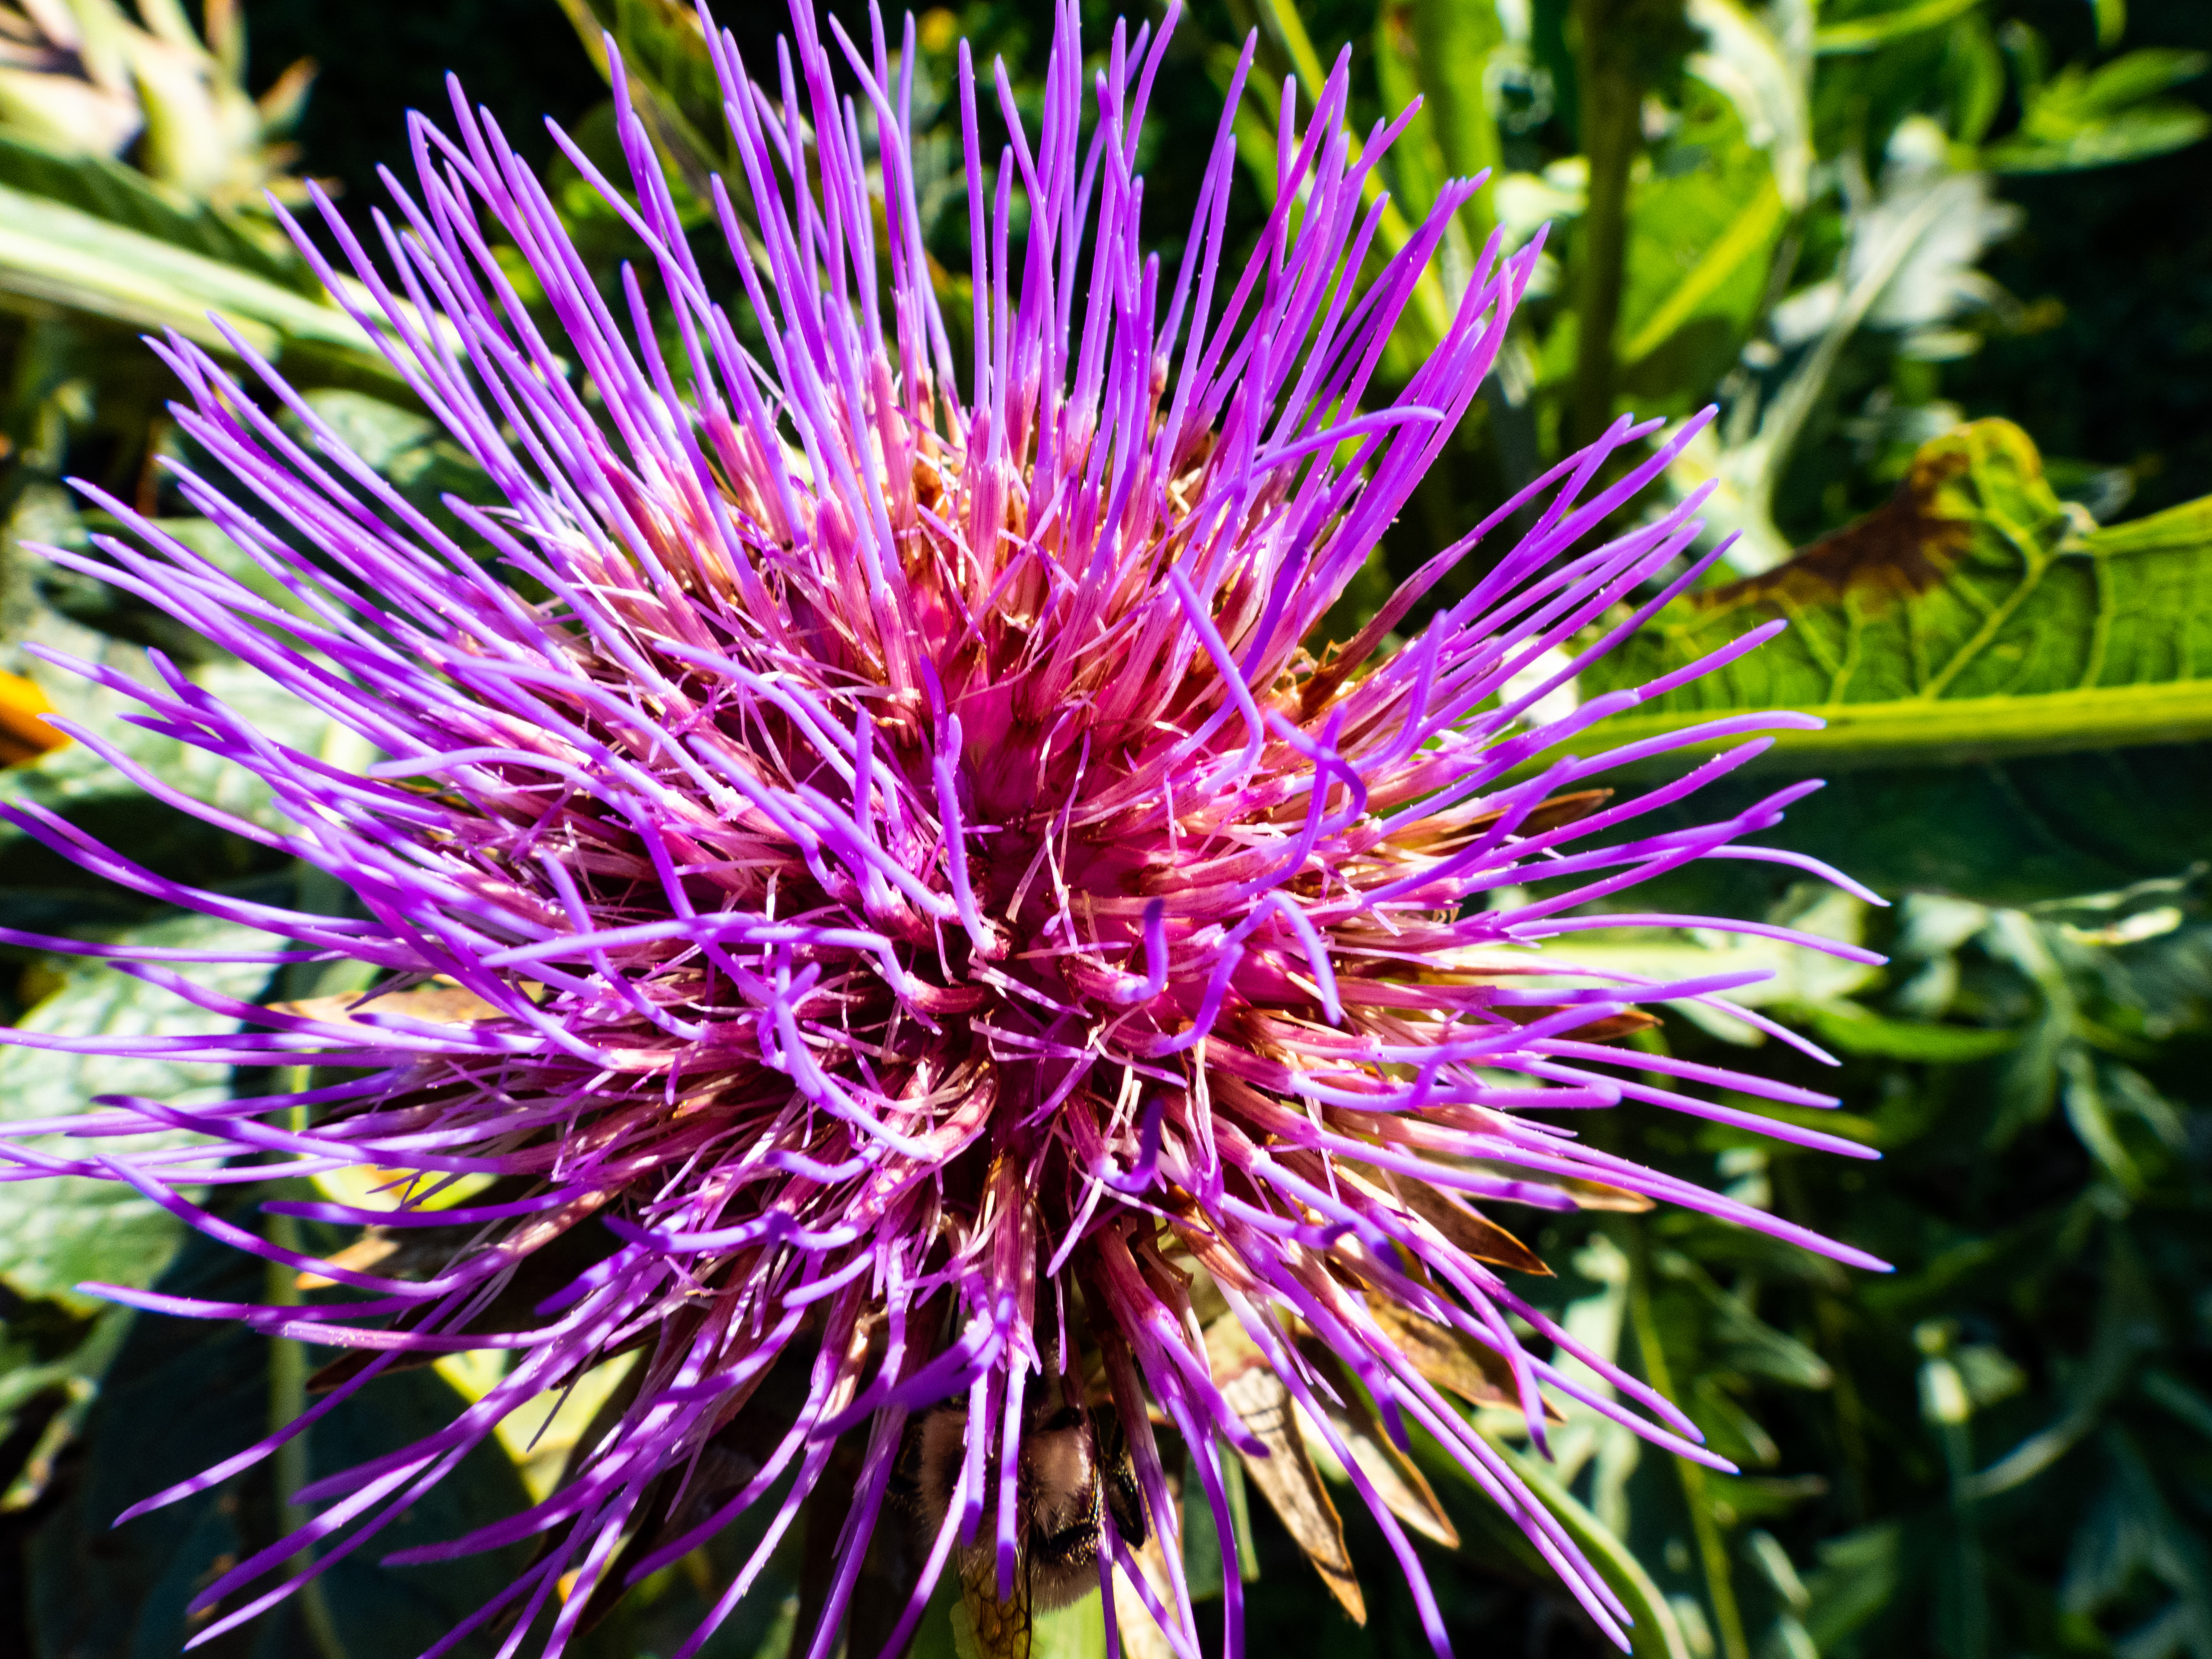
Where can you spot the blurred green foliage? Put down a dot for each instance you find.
(1943, 266)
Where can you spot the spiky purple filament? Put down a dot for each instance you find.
(919, 882)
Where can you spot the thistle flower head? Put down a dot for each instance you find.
(937, 949)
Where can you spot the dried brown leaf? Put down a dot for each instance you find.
(375, 1244)
(1453, 1361)
(1291, 1485)
(1140, 1637)
(440, 1002)
(1471, 1232)
(1404, 1490)
(1230, 1350)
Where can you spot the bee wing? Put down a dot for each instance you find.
(996, 1629)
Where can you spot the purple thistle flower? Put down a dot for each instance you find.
(919, 921)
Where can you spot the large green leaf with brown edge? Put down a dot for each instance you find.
(1974, 615)
(2010, 693)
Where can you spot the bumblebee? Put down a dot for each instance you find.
(1075, 1471)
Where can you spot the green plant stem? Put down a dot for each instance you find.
(1280, 22)
(1656, 1632)
(288, 1399)
(1612, 101)
(1454, 41)
(1713, 1548)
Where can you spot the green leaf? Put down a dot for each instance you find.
(58, 254)
(182, 1394)
(2178, 1397)
(1440, 50)
(1737, 1338)
(120, 195)
(1860, 1575)
(2095, 117)
(2150, 130)
(1969, 624)
(56, 1232)
(83, 787)
(1702, 233)
(1866, 33)
(1745, 61)
(1853, 1029)
(1993, 674)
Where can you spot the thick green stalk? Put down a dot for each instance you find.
(1281, 22)
(1951, 730)
(1712, 1548)
(1611, 92)
(288, 1399)
(1454, 41)
(1656, 1632)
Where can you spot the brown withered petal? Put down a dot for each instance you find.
(1454, 1362)
(1561, 809)
(1471, 1232)
(1597, 1195)
(1286, 1476)
(414, 1254)
(436, 1002)
(1627, 1023)
(1404, 1490)
(374, 1246)
(1586, 1194)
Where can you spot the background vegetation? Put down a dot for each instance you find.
(1946, 268)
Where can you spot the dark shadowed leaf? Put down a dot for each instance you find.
(55, 1233)
(404, 1610)
(1854, 1029)
(181, 1394)
(1657, 1631)
(2094, 118)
